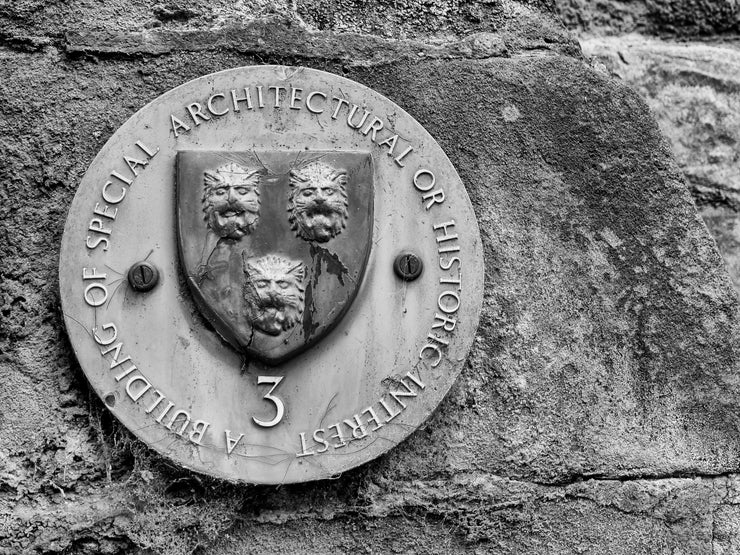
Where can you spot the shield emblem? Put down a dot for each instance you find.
(274, 244)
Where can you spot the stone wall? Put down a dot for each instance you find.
(667, 18)
(597, 412)
(684, 59)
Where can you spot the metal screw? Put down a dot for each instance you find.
(408, 266)
(143, 276)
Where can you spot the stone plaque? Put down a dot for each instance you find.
(271, 274)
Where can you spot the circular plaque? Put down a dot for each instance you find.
(271, 274)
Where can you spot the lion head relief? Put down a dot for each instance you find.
(318, 201)
(274, 293)
(231, 200)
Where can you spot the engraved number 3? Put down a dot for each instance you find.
(279, 407)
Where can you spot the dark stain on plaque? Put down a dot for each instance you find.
(322, 258)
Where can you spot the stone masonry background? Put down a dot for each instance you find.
(598, 410)
(683, 57)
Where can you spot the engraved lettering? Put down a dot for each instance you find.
(96, 225)
(105, 211)
(154, 405)
(212, 110)
(410, 386)
(450, 262)
(279, 406)
(439, 340)
(318, 437)
(390, 142)
(310, 106)
(398, 393)
(304, 450)
(446, 306)
(129, 387)
(196, 111)
(117, 348)
(391, 414)
(351, 114)
(92, 298)
(409, 392)
(277, 90)
(373, 419)
(105, 327)
(186, 420)
(115, 362)
(414, 379)
(109, 199)
(97, 241)
(134, 163)
(177, 125)
(401, 156)
(338, 436)
(92, 273)
(418, 182)
(260, 98)
(170, 404)
(294, 97)
(198, 431)
(430, 347)
(451, 281)
(442, 321)
(148, 151)
(375, 125)
(231, 443)
(118, 176)
(447, 235)
(126, 371)
(235, 100)
(339, 105)
(436, 197)
(356, 426)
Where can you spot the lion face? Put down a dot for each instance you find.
(318, 201)
(273, 292)
(231, 200)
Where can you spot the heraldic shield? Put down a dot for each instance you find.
(274, 244)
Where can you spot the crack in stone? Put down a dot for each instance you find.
(580, 478)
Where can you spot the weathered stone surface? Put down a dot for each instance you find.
(667, 17)
(724, 224)
(693, 90)
(397, 19)
(283, 36)
(599, 353)
(606, 350)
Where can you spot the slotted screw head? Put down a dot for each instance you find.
(143, 276)
(408, 266)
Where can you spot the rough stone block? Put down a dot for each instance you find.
(604, 375)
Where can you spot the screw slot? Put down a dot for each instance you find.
(143, 276)
(408, 266)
